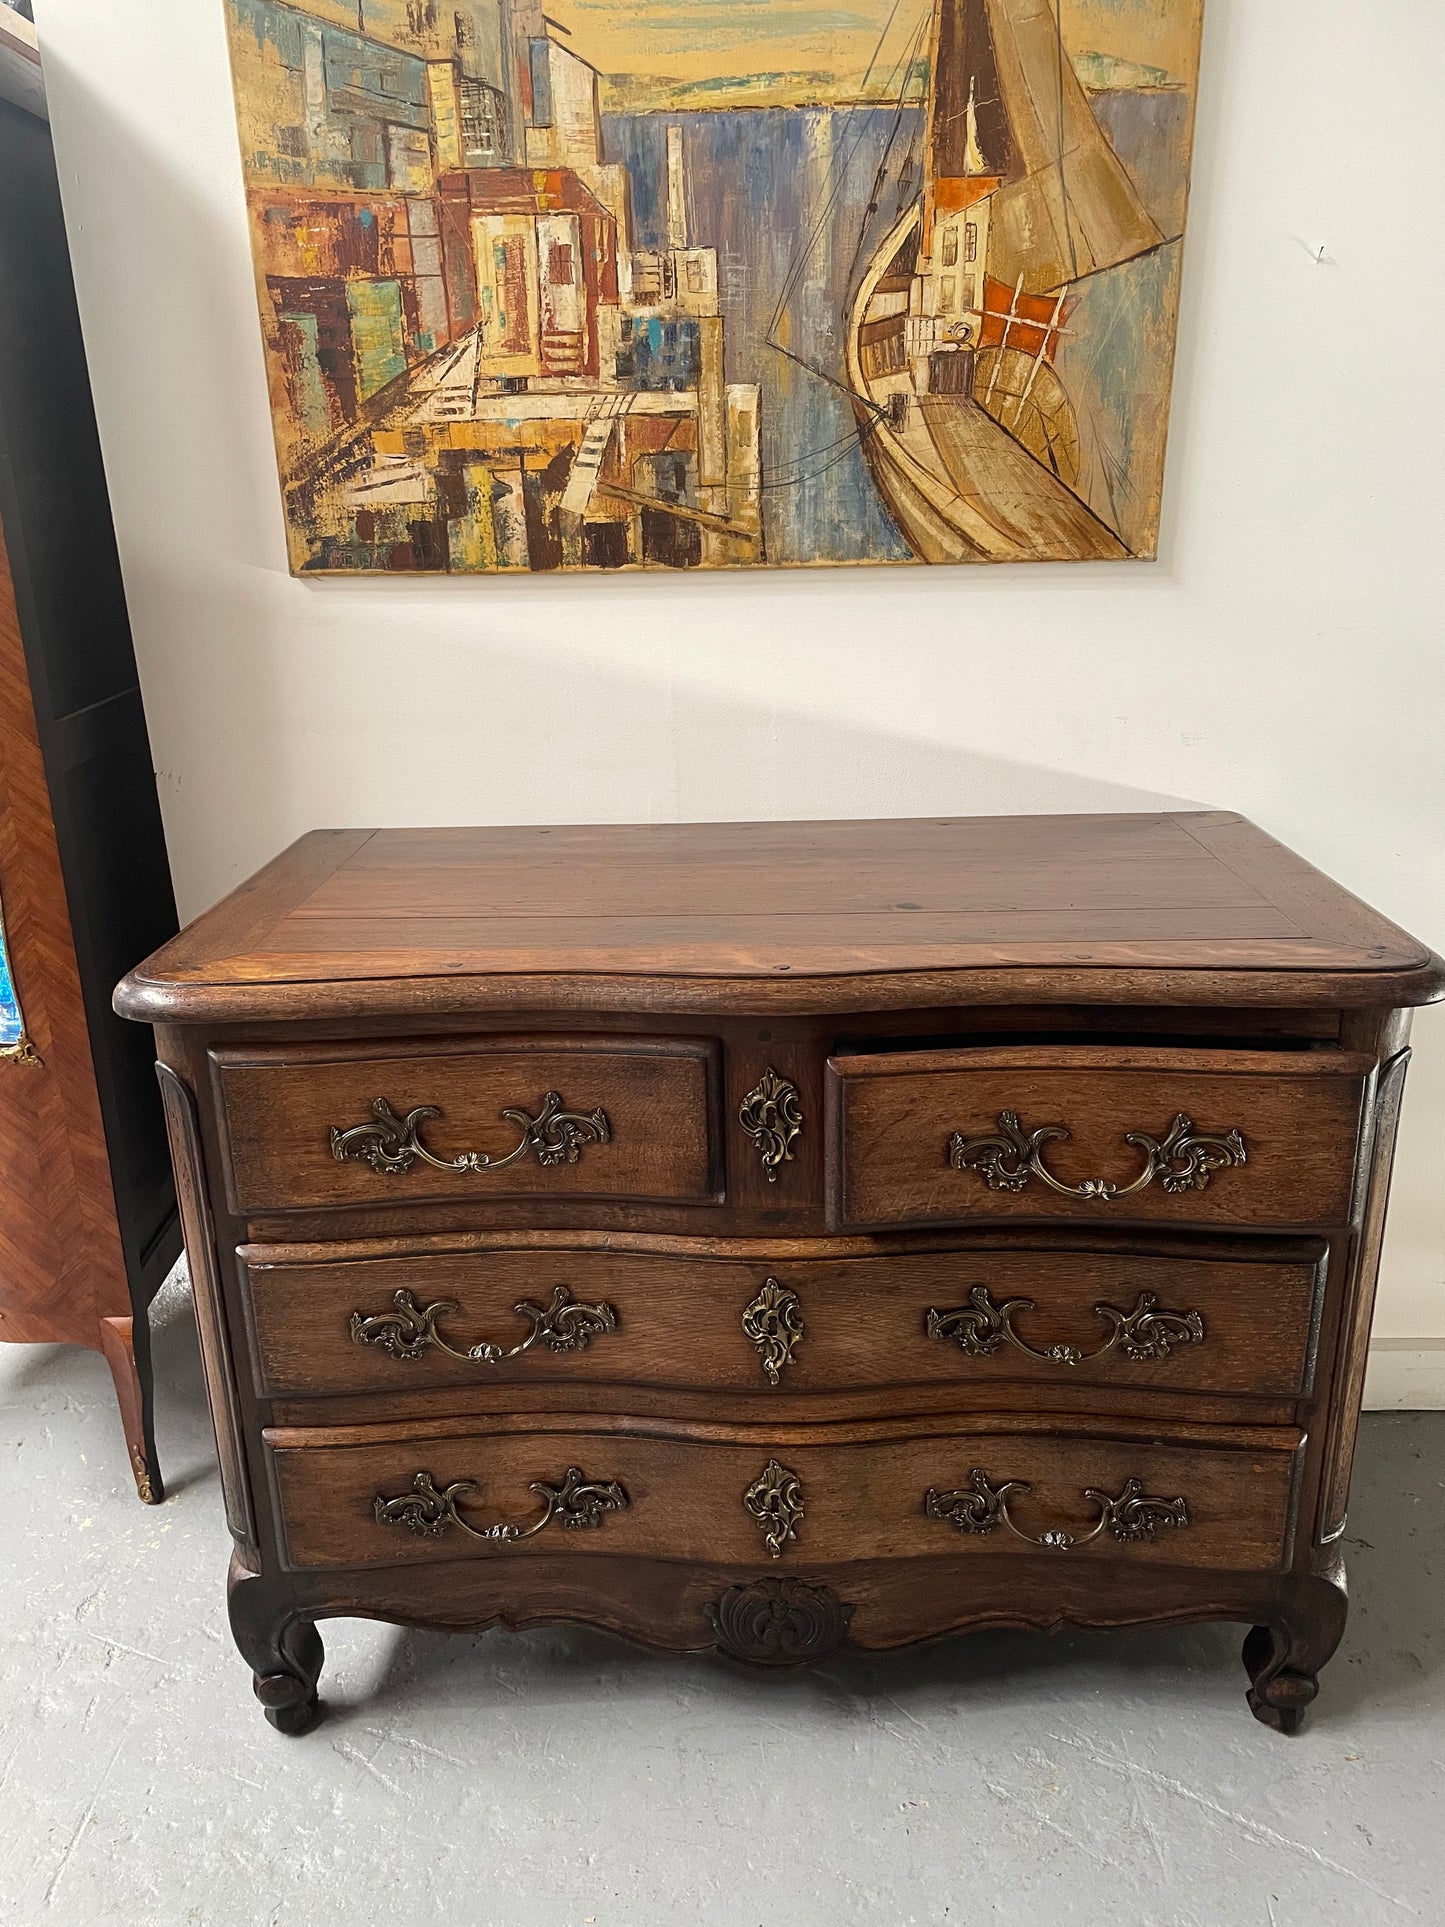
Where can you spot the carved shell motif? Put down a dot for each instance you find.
(779, 1622)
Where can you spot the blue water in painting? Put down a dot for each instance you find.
(782, 194)
(794, 198)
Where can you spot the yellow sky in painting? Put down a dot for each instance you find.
(692, 41)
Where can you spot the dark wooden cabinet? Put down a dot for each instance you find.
(755, 1237)
(88, 1224)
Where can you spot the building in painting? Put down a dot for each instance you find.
(470, 367)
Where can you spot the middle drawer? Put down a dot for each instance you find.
(576, 1312)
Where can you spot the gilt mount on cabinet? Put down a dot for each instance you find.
(763, 1369)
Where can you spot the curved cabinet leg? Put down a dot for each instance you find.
(1284, 1658)
(283, 1649)
(127, 1351)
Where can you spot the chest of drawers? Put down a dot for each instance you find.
(760, 1238)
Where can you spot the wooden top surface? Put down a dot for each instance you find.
(1095, 908)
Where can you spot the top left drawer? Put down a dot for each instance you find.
(321, 1126)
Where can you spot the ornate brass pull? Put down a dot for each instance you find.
(574, 1504)
(772, 1116)
(393, 1144)
(981, 1326)
(774, 1323)
(982, 1507)
(775, 1500)
(1184, 1159)
(408, 1329)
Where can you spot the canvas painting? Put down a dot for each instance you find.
(678, 284)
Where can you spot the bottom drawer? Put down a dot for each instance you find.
(826, 1494)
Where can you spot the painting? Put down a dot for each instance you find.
(14, 1043)
(679, 284)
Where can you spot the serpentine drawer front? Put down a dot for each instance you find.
(1181, 1137)
(554, 1118)
(761, 1238)
(578, 1316)
(985, 1493)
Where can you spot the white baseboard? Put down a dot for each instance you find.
(1406, 1375)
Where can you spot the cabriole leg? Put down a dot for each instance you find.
(283, 1650)
(1284, 1659)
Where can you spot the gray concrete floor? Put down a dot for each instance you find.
(556, 1779)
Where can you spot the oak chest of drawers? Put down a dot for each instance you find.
(762, 1238)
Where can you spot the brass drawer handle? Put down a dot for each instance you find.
(775, 1501)
(981, 1508)
(774, 1323)
(1144, 1333)
(1184, 1159)
(393, 1144)
(772, 1116)
(409, 1329)
(428, 1512)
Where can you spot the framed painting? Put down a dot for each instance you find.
(694, 284)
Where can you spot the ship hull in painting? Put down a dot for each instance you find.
(958, 485)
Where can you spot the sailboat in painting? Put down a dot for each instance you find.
(954, 330)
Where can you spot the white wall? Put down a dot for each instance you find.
(1284, 658)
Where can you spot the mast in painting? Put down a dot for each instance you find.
(955, 327)
(967, 158)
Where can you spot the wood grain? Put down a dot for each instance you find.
(891, 1120)
(862, 1500)
(59, 1220)
(968, 901)
(864, 1320)
(188, 1159)
(660, 1099)
(87, 1216)
(62, 1267)
(1105, 976)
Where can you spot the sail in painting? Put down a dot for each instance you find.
(954, 331)
(666, 284)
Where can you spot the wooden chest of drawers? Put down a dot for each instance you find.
(764, 1237)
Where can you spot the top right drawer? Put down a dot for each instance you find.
(1094, 1133)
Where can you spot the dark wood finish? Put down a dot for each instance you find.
(1099, 909)
(659, 1096)
(282, 1647)
(1345, 1417)
(679, 1320)
(189, 1161)
(863, 1494)
(1284, 1659)
(892, 1119)
(88, 1224)
(909, 981)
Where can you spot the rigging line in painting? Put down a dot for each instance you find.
(597, 289)
(875, 193)
(903, 65)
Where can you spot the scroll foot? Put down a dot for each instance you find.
(1284, 1659)
(284, 1651)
